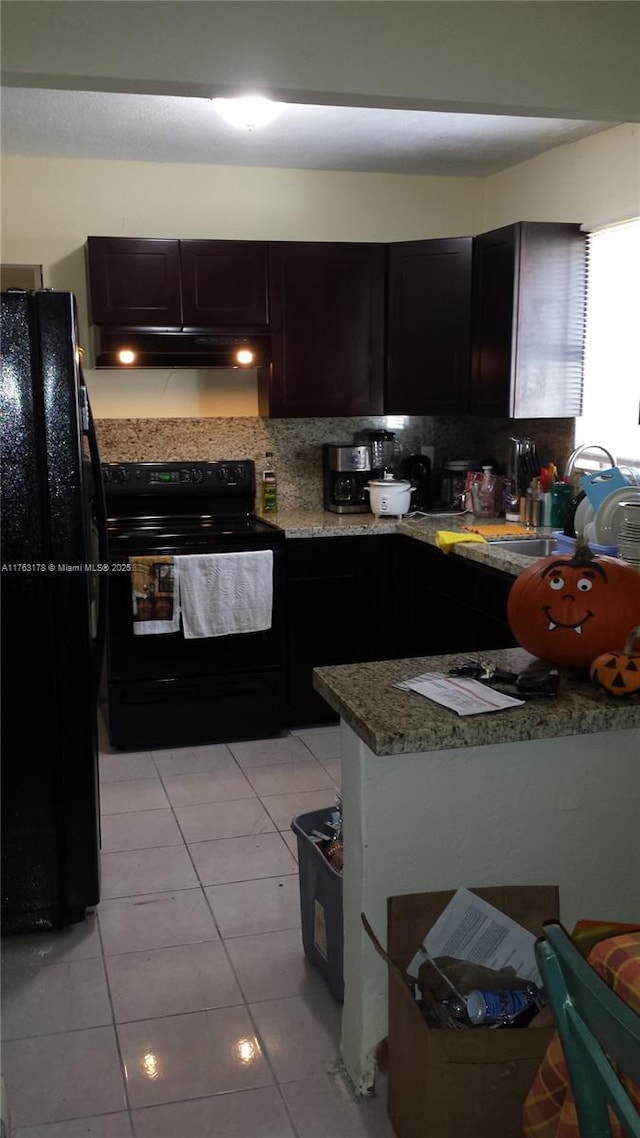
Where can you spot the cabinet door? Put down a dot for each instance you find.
(475, 596)
(224, 283)
(345, 605)
(327, 321)
(458, 605)
(529, 283)
(134, 281)
(494, 270)
(322, 596)
(429, 312)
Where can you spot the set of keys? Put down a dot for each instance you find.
(535, 682)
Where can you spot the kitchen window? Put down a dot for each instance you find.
(611, 408)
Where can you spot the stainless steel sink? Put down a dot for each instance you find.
(528, 546)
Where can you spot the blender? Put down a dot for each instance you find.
(383, 451)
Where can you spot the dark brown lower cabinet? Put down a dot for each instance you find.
(344, 606)
(383, 597)
(457, 605)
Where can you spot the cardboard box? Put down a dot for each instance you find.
(466, 1083)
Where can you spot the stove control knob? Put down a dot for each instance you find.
(121, 474)
(223, 473)
(196, 476)
(185, 476)
(238, 473)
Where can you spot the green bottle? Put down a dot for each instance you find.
(269, 485)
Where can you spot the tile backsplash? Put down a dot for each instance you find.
(297, 443)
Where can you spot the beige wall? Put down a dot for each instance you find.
(595, 181)
(50, 206)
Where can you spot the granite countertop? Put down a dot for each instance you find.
(321, 523)
(392, 721)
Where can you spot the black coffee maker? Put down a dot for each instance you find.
(346, 470)
(417, 468)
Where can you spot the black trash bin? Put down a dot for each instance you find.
(320, 901)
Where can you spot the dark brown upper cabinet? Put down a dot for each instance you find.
(148, 283)
(429, 326)
(529, 282)
(134, 281)
(224, 283)
(327, 324)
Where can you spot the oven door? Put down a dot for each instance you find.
(169, 656)
(165, 691)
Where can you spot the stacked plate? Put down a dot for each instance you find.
(615, 523)
(628, 535)
(583, 517)
(609, 516)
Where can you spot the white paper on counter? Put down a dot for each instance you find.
(465, 697)
(472, 929)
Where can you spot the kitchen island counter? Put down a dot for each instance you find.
(393, 721)
(547, 793)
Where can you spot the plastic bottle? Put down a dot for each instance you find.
(510, 501)
(561, 497)
(269, 485)
(456, 1008)
(502, 1006)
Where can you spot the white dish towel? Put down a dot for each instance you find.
(225, 593)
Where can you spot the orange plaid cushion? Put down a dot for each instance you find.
(549, 1111)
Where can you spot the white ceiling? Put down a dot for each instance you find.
(163, 128)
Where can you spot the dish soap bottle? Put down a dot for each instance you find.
(269, 485)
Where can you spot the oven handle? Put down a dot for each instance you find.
(103, 548)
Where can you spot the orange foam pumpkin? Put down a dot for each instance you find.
(619, 672)
(570, 608)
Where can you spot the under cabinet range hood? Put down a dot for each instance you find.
(127, 348)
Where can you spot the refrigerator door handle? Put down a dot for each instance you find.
(101, 523)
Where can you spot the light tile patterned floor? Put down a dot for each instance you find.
(186, 1008)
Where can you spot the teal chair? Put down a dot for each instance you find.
(593, 1023)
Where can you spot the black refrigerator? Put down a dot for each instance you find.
(54, 595)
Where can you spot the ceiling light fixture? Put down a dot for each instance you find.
(248, 111)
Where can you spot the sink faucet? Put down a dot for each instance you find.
(572, 461)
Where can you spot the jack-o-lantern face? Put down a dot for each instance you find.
(569, 589)
(619, 672)
(569, 609)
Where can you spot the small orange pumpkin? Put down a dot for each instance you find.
(619, 672)
(570, 608)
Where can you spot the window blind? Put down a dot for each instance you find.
(611, 400)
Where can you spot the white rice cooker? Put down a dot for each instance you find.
(389, 496)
